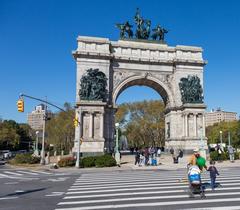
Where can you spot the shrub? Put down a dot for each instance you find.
(25, 159)
(218, 157)
(87, 162)
(105, 161)
(236, 155)
(66, 162)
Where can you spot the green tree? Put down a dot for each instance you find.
(15, 136)
(143, 122)
(213, 133)
(60, 129)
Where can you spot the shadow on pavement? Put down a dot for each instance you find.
(23, 192)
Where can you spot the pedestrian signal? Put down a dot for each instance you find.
(20, 105)
(75, 122)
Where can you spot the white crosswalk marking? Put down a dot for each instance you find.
(23, 174)
(12, 173)
(27, 172)
(149, 190)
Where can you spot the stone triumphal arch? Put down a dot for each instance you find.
(106, 68)
(176, 73)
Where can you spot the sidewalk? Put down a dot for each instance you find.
(166, 163)
(127, 163)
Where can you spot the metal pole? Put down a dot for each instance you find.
(43, 137)
(36, 144)
(202, 149)
(229, 138)
(221, 138)
(117, 154)
(78, 146)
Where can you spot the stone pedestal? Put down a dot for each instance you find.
(187, 128)
(92, 129)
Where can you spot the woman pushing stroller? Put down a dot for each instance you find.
(195, 166)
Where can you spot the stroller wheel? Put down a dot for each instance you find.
(190, 194)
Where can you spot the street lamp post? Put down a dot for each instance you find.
(202, 145)
(42, 161)
(229, 138)
(36, 145)
(117, 154)
(220, 132)
(77, 165)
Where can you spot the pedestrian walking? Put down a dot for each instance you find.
(171, 151)
(137, 157)
(194, 157)
(231, 153)
(213, 173)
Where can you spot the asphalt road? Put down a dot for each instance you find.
(24, 189)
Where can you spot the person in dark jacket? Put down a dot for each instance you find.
(137, 157)
(213, 173)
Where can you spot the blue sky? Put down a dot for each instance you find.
(37, 37)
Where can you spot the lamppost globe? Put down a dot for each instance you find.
(117, 154)
(220, 132)
(36, 145)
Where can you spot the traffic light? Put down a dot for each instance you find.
(20, 105)
(75, 121)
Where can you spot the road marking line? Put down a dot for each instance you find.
(149, 179)
(142, 198)
(105, 186)
(11, 183)
(42, 172)
(12, 173)
(8, 198)
(126, 188)
(142, 193)
(167, 203)
(216, 208)
(26, 172)
(55, 194)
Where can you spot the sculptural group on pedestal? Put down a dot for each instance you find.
(143, 29)
(93, 85)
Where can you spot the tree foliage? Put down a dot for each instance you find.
(60, 129)
(143, 122)
(14, 136)
(213, 132)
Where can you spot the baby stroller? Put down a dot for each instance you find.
(195, 183)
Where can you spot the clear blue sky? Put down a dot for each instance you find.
(37, 37)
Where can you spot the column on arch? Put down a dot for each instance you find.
(203, 125)
(194, 124)
(183, 129)
(91, 125)
(101, 124)
(186, 124)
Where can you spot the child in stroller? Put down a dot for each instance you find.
(195, 183)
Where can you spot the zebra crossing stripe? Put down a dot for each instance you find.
(42, 172)
(139, 188)
(216, 208)
(123, 194)
(141, 193)
(26, 172)
(8, 198)
(143, 198)
(153, 174)
(167, 203)
(94, 182)
(155, 183)
(12, 173)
